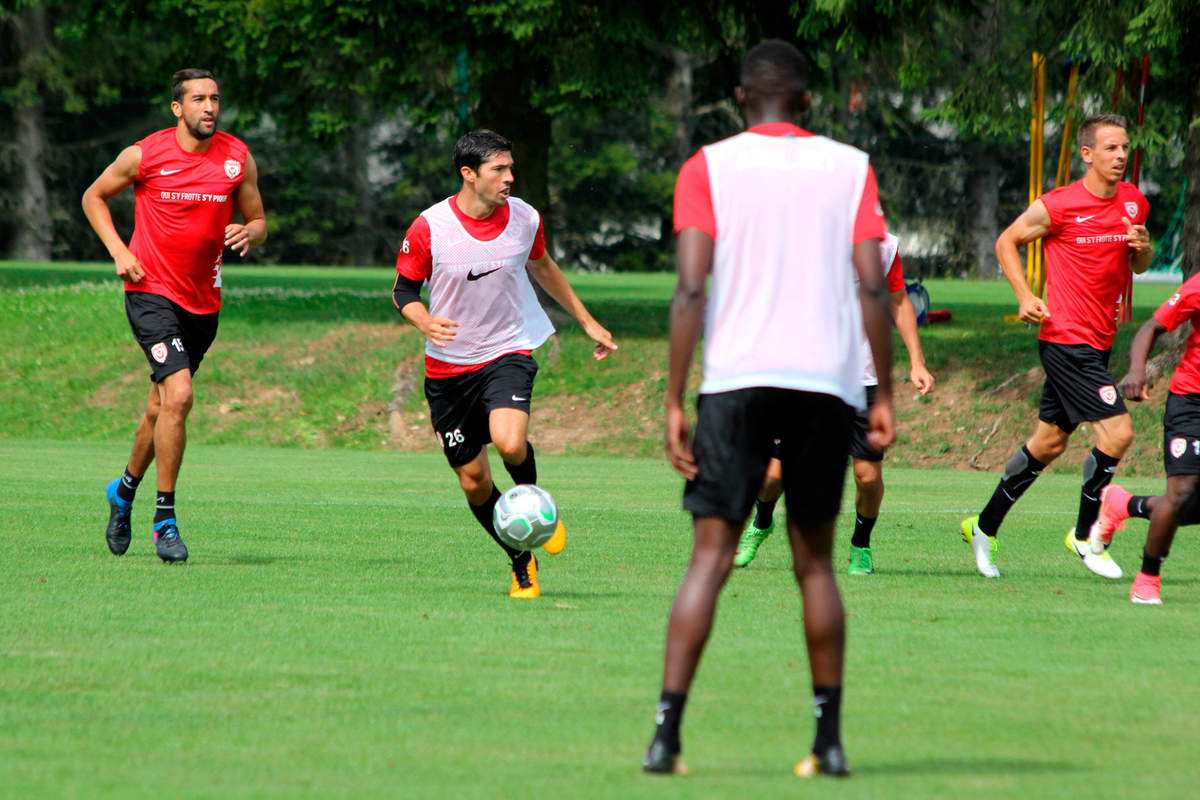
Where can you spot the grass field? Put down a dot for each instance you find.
(342, 630)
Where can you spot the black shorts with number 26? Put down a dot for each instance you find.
(459, 406)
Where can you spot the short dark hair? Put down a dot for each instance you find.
(477, 147)
(1087, 129)
(184, 75)
(775, 67)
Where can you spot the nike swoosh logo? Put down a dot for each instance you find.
(474, 276)
(165, 171)
(519, 399)
(1082, 219)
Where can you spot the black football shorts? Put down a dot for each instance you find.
(1078, 386)
(172, 337)
(459, 406)
(736, 435)
(1181, 434)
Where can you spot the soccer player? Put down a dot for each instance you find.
(476, 251)
(781, 220)
(1093, 234)
(868, 463)
(187, 181)
(1181, 446)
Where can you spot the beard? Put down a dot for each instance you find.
(200, 133)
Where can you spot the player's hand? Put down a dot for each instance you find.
(440, 330)
(679, 442)
(129, 268)
(1133, 386)
(603, 339)
(921, 379)
(1033, 310)
(881, 425)
(1138, 236)
(237, 238)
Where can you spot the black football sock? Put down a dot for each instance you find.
(1139, 506)
(1019, 473)
(127, 488)
(667, 717)
(1151, 564)
(526, 471)
(827, 706)
(764, 513)
(1098, 471)
(483, 513)
(862, 530)
(164, 507)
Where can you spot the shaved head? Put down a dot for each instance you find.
(775, 70)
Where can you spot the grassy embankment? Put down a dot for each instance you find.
(314, 357)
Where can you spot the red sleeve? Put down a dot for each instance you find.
(693, 197)
(1051, 200)
(415, 261)
(895, 275)
(1182, 305)
(869, 224)
(539, 242)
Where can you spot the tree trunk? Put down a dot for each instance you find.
(1191, 170)
(33, 225)
(679, 100)
(983, 185)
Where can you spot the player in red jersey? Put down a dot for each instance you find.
(773, 225)
(1094, 234)
(476, 251)
(187, 181)
(1181, 446)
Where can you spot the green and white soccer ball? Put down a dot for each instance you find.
(525, 517)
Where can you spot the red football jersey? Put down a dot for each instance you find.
(1184, 306)
(1087, 261)
(182, 203)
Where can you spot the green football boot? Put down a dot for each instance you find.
(748, 546)
(861, 562)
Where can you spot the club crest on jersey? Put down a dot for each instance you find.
(1131, 208)
(233, 169)
(159, 352)
(1108, 394)
(1178, 447)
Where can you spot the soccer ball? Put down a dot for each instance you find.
(525, 517)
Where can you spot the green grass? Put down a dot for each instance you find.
(315, 357)
(342, 630)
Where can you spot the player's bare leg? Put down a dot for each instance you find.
(868, 498)
(170, 429)
(690, 623)
(1178, 506)
(170, 438)
(825, 636)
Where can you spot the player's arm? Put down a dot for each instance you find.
(1034, 223)
(1133, 385)
(694, 252)
(905, 317)
(546, 272)
(873, 297)
(413, 266)
(253, 230)
(1139, 243)
(116, 178)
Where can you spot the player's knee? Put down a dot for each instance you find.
(476, 486)
(177, 401)
(1185, 498)
(510, 448)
